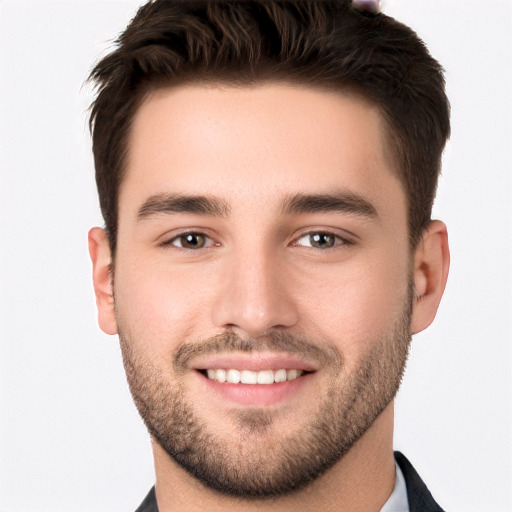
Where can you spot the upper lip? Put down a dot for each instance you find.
(252, 361)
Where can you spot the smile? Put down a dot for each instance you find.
(233, 376)
(258, 379)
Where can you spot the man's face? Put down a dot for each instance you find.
(262, 236)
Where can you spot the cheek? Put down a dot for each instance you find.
(157, 307)
(355, 305)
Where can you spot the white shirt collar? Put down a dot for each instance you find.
(398, 501)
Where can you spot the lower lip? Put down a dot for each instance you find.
(256, 395)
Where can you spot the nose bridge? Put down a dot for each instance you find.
(254, 296)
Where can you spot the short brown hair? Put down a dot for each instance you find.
(323, 43)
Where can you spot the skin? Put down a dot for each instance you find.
(253, 148)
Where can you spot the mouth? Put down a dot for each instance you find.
(253, 380)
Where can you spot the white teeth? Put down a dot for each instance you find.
(219, 375)
(266, 377)
(249, 377)
(292, 374)
(280, 376)
(233, 376)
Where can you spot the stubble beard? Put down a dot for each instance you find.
(261, 462)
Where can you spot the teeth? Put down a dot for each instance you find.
(233, 376)
(265, 377)
(292, 374)
(249, 377)
(280, 376)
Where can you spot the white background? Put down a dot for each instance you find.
(70, 438)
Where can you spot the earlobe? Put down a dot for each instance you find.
(101, 257)
(430, 273)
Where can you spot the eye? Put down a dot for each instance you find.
(320, 240)
(190, 241)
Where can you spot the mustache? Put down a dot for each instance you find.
(323, 353)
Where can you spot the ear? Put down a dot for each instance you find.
(101, 257)
(431, 264)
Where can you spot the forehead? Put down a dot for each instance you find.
(263, 141)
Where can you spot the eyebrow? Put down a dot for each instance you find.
(337, 202)
(177, 203)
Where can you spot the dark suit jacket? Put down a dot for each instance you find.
(420, 499)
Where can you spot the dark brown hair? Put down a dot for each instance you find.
(321, 43)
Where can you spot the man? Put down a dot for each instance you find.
(266, 171)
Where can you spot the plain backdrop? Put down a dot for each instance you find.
(70, 438)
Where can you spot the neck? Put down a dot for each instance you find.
(361, 481)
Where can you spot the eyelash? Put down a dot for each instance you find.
(208, 242)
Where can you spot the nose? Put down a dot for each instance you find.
(255, 295)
